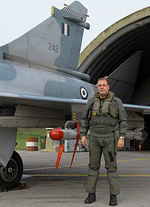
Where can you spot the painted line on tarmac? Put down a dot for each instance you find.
(24, 176)
(38, 168)
(78, 165)
(85, 175)
(53, 167)
(136, 159)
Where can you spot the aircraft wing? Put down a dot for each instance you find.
(57, 103)
(27, 110)
(11, 99)
(137, 108)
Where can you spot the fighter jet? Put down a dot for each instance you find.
(39, 82)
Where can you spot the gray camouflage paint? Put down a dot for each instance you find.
(34, 72)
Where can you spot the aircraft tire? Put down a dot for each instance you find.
(10, 175)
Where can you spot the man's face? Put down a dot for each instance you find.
(103, 88)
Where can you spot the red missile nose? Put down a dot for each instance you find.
(56, 134)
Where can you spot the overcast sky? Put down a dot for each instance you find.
(19, 16)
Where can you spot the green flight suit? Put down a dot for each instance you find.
(101, 117)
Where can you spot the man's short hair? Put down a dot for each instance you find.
(103, 78)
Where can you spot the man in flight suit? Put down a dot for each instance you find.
(102, 115)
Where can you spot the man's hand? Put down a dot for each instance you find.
(120, 143)
(83, 141)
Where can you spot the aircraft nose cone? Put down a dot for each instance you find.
(56, 134)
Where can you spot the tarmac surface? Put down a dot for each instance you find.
(65, 187)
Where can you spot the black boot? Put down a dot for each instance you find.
(91, 198)
(113, 200)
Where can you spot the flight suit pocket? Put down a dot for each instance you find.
(113, 110)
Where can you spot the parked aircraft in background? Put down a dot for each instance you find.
(40, 85)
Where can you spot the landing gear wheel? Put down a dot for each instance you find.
(10, 175)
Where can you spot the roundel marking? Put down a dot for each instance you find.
(83, 93)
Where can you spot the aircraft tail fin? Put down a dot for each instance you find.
(54, 42)
(124, 78)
